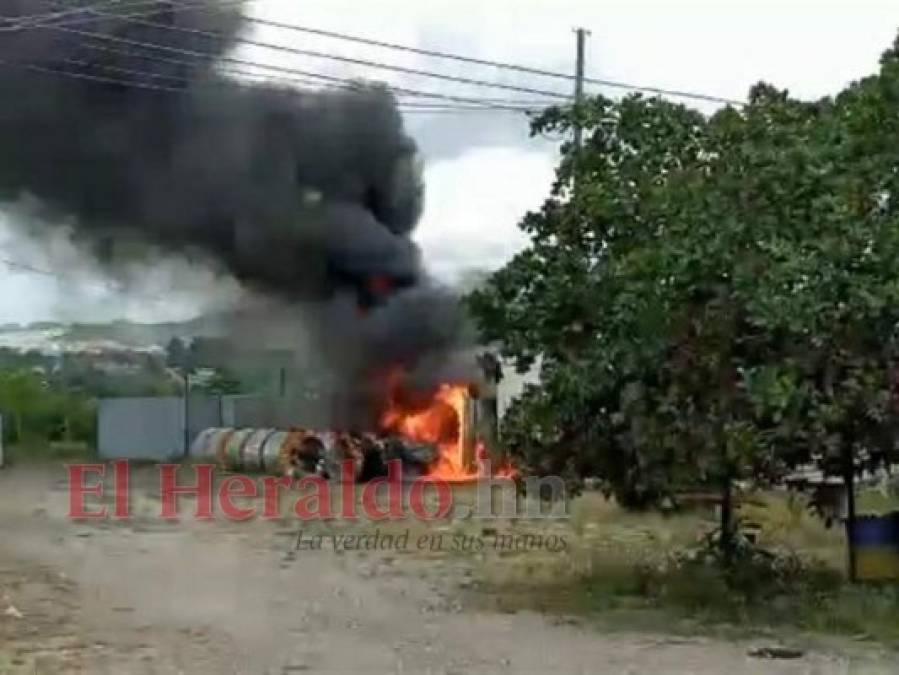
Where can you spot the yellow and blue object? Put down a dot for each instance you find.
(876, 540)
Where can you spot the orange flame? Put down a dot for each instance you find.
(486, 467)
(440, 423)
(439, 420)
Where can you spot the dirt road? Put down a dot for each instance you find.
(217, 597)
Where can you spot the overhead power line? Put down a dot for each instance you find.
(178, 85)
(100, 285)
(37, 68)
(64, 17)
(25, 267)
(309, 78)
(404, 107)
(450, 110)
(494, 64)
(347, 59)
(20, 22)
(271, 67)
(125, 71)
(122, 10)
(213, 4)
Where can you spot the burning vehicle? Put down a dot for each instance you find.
(446, 434)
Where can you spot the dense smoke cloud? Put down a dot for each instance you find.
(310, 197)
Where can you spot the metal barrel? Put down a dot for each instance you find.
(297, 452)
(251, 452)
(233, 456)
(301, 453)
(876, 541)
(271, 453)
(339, 448)
(282, 453)
(210, 443)
(200, 448)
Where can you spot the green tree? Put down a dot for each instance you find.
(178, 354)
(719, 296)
(221, 383)
(21, 393)
(40, 410)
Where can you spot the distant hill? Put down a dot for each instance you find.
(247, 325)
(49, 336)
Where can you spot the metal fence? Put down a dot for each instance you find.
(141, 428)
(162, 428)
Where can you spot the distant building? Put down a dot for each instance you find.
(513, 383)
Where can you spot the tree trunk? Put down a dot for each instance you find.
(849, 483)
(17, 425)
(727, 519)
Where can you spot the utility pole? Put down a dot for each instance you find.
(185, 374)
(581, 34)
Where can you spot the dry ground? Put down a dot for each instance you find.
(220, 597)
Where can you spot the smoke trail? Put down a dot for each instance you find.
(305, 196)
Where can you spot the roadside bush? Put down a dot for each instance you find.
(861, 611)
(753, 576)
(766, 588)
(42, 418)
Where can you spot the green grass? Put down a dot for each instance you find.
(44, 451)
(876, 502)
(617, 571)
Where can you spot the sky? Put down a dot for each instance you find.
(482, 170)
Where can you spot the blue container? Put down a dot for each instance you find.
(876, 540)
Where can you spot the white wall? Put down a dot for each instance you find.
(513, 384)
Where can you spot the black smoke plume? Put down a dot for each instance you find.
(308, 196)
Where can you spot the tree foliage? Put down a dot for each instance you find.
(51, 398)
(709, 297)
(38, 410)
